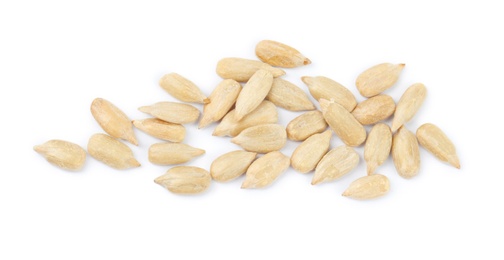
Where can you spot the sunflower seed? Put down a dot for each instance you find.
(66, 155)
(262, 138)
(265, 170)
(374, 110)
(326, 88)
(221, 100)
(242, 69)
(112, 120)
(172, 153)
(408, 105)
(435, 141)
(111, 152)
(306, 125)
(265, 113)
(377, 79)
(368, 187)
(161, 129)
(335, 164)
(253, 93)
(377, 147)
(172, 112)
(182, 88)
(308, 154)
(231, 165)
(289, 96)
(280, 55)
(344, 124)
(405, 153)
(185, 180)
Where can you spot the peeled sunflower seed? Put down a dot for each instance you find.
(242, 69)
(262, 138)
(185, 180)
(326, 88)
(405, 153)
(172, 153)
(265, 170)
(306, 125)
(64, 154)
(344, 124)
(377, 79)
(231, 165)
(265, 113)
(280, 55)
(374, 110)
(182, 88)
(161, 129)
(221, 100)
(177, 113)
(112, 120)
(408, 105)
(377, 147)
(434, 140)
(111, 152)
(308, 154)
(289, 96)
(368, 187)
(335, 164)
(253, 93)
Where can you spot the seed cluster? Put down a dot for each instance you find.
(253, 125)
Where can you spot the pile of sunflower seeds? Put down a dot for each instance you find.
(249, 115)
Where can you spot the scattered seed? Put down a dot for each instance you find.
(262, 138)
(280, 55)
(111, 152)
(405, 153)
(265, 170)
(160, 129)
(368, 187)
(377, 147)
(408, 105)
(185, 180)
(231, 165)
(326, 88)
(308, 154)
(182, 88)
(289, 96)
(436, 142)
(66, 155)
(374, 110)
(306, 125)
(378, 78)
(177, 113)
(112, 120)
(221, 100)
(253, 93)
(344, 124)
(172, 153)
(242, 69)
(335, 164)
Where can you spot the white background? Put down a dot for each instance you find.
(57, 56)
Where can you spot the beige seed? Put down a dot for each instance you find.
(231, 165)
(368, 187)
(253, 93)
(289, 96)
(435, 141)
(377, 147)
(405, 153)
(306, 125)
(185, 180)
(378, 78)
(172, 153)
(177, 113)
(112, 120)
(66, 155)
(262, 138)
(335, 164)
(408, 105)
(344, 124)
(308, 154)
(161, 129)
(182, 88)
(374, 110)
(265, 113)
(265, 170)
(326, 88)
(242, 69)
(280, 55)
(221, 100)
(111, 152)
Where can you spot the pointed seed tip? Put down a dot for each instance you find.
(306, 61)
